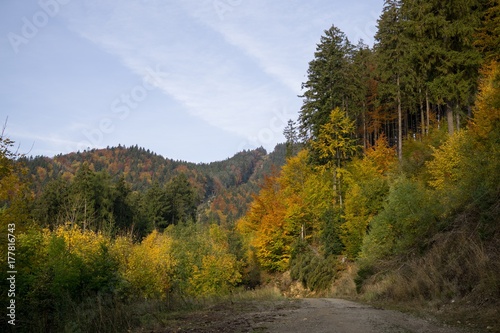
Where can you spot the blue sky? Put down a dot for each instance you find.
(190, 80)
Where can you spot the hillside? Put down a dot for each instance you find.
(225, 188)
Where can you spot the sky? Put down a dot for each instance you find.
(190, 80)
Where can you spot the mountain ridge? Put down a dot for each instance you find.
(225, 187)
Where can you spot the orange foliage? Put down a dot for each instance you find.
(265, 222)
(383, 156)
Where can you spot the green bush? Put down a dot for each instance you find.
(409, 218)
(314, 271)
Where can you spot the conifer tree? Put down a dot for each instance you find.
(449, 28)
(362, 68)
(181, 199)
(291, 137)
(487, 37)
(391, 52)
(335, 145)
(327, 82)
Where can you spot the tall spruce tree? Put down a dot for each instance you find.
(391, 50)
(449, 28)
(361, 80)
(419, 54)
(487, 38)
(327, 82)
(291, 137)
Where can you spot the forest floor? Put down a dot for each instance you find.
(308, 315)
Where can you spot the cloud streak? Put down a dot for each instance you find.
(232, 75)
(233, 68)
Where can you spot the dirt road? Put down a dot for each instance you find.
(311, 315)
(322, 315)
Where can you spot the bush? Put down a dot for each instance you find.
(404, 226)
(313, 270)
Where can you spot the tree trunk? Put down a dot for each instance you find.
(400, 124)
(365, 145)
(449, 118)
(427, 107)
(422, 117)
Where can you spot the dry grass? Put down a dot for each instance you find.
(457, 280)
(344, 286)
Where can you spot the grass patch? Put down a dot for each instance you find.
(457, 281)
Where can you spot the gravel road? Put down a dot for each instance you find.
(309, 315)
(321, 315)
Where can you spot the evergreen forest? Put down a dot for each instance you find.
(387, 189)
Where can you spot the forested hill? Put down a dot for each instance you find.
(222, 189)
(141, 167)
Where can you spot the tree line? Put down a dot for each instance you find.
(422, 71)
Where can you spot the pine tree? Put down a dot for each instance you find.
(291, 137)
(391, 52)
(326, 87)
(449, 27)
(487, 37)
(361, 73)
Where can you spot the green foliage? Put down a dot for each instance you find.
(331, 232)
(327, 82)
(314, 271)
(62, 270)
(291, 137)
(405, 225)
(58, 270)
(205, 266)
(222, 190)
(364, 200)
(182, 200)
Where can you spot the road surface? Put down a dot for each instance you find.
(322, 315)
(310, 315)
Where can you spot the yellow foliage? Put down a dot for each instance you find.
(445, 168)
(487, 109)
(218, 272)
(121, 249)
(335, 141)
(357, 217)
(265, 222)
(85, 244)
(295, 173)
(289, 208)
(150, 265)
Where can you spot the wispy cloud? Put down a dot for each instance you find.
(233, 67)
(214, 80)
(282, 36)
